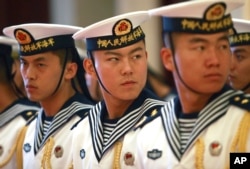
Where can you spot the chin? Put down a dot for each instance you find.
(33, 98)
(130, 96)
(213, 88)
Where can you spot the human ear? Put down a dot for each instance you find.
(167, 58)
(89, 67)
(70, 70)
(15, 66)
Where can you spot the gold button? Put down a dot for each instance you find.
(244, 101)
(29, 113)
(237, 98)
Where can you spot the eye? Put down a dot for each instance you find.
(113, 59)
(239, 57)
(224, 47)
(23, 62)
(41, 65)
(135, 57)
(200, 48)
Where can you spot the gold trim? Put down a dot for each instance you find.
(199, 153)
(47, 154)
(15, 148)
(240, 140)
(117, 154)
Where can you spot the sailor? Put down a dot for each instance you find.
(208, 119)
(50, 69)
(117, 58)
(15, 108)
(239, 77)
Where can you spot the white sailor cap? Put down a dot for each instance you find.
(8, 46)
(241, 33)
(197, 16)
(115, 32)
(36, 38)
(8, 51)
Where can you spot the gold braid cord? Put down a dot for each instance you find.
(17, 147)
(117, 153)
(71, 166)
(47, 154)
(238, 145)
(240, 140)
(199, 153)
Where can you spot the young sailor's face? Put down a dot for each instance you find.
(202, 60)
(239, 73)
(123, 71)
(41, 74)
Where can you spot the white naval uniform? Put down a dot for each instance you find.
(88, 149)
(217, 125)
(12, 120)
(55, 150)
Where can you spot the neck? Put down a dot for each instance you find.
(247, 90)
(52, 105)
(116, 108)
(192, 102)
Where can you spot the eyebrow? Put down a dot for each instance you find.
(118, 54)
(239, 50)
(198, 39)
(35, 60)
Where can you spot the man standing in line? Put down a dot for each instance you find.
(117, 58)
(15, 108)
(208, 119)
(239, 77)
(49, 67)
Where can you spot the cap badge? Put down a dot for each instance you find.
(122, 27)
(22, 36)
(1, 150)
(58, 151)
(215, 12)
(215, 148)
(129, 159)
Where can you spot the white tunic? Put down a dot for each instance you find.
(55, 147)
(12, 121)
(89, 150)
(158, 144)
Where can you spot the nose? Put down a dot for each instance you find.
(213, 58)
(28, 72)
(233, 63)
(127, 67)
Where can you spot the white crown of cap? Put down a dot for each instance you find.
(42, 30)
(105, 27)
(193, 8)
(8, 41)
(241, 25)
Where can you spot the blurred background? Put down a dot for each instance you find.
(85, 12)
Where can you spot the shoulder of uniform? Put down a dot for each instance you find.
(28, 114)
(31, 118)
(76, 123)
(148, 117)
(241, 100)
(82, 114)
